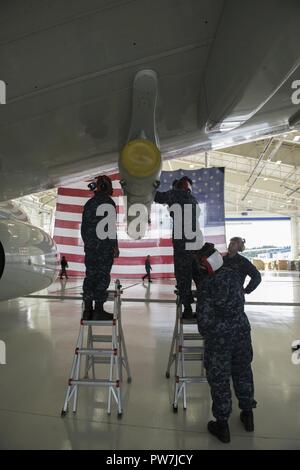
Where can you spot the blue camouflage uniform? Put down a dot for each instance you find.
(228, 348)
(99, 254)
(185, 266)
(244, 268)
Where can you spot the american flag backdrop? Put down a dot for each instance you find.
(208, 188)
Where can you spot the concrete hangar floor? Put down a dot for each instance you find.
(40, 335)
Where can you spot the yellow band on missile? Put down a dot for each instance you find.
(141, 158)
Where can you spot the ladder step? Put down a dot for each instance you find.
(192, 379)
(192, 321)
(192, 336)
(95, 382)
(94, 352)
(102, 360)
(101, 338)
(106, 359)
(192, 357)
(97, 323)
(193, 349)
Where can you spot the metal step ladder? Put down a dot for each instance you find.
(183, 350)
(111, 352)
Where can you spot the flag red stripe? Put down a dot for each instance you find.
(76, 209)
(81, 274)
(84, 192)
(163, 242)
(124, 260)
(114, 176)
(72, 241)
(150, 243)
(69, 208)
(67, 224)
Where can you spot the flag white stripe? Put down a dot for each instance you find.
(84, 185)
(132, 269)
(72, 216)
(130, 252)
(80, 201)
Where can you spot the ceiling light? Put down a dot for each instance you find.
(289, 200)
(191, 166)
(296, 138)
(278, 162)
(249, 201)
(266, 179)
(282, 205)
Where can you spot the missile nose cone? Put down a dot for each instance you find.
(139, 165)
(140, 158)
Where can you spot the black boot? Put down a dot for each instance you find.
(100, 314)
(188, 313)
(247, 420)
(220, 429)
(88, 310)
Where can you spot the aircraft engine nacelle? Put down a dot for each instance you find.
(139, 167)
(28, 259)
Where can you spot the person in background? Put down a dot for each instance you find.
(228, 352)
(64, 265)
(242, 265)
(148, 268)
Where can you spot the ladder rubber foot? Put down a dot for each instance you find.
(129, 380)
(120, 415)
(63, 413)
(168, 375)
(175, 409)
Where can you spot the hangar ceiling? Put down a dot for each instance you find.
(260, 176)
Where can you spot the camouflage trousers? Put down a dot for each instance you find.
(228, 357)
(97, 277)
(186, 270)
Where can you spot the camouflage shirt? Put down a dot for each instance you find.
(90, 221)
(183, 199)
(244, 268)
(220, 305)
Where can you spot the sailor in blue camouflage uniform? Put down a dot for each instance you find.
(241, 265)
(99, 253)
(185, 266)
(228, 349)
